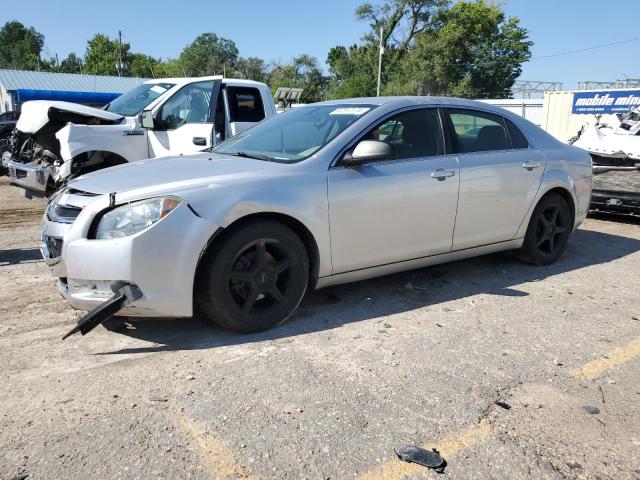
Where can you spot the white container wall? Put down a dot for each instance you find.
(531, 109)
(558, 120)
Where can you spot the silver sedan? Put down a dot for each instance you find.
(322, 194)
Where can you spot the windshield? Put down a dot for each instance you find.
(294, 135)
(134, 101)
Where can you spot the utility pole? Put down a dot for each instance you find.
(119, 66)
(380, 65)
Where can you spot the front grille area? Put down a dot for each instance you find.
(63, 213)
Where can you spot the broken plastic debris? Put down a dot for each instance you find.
(430, 459)
(591, 409)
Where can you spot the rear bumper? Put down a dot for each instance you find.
(615, 201)
(27, 176)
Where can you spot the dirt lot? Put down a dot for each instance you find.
(418, 358)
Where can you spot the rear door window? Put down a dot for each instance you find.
(476, 131)
(245, 104)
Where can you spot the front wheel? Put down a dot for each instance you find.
(548, 231)
(254, 278)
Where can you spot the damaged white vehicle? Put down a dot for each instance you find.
(615, 150)
(57, 141)
(613, 144)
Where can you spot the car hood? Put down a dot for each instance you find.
(171, 175)
(37, 113)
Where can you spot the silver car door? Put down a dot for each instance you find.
(394, 210)
(498, 183)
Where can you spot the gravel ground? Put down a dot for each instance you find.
(418, 358)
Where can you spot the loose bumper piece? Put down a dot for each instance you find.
(121, 298)
(426, 458)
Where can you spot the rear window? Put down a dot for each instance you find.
(518, 140)
(245, 104)
(475, 131)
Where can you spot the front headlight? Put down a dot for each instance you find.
(134, 217)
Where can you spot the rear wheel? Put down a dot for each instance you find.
(548, 231)
(254, 278)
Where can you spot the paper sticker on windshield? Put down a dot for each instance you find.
(350, 111)
(158, 89)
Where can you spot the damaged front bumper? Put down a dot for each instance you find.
(27, 176)
(160, 261)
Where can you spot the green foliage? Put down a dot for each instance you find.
(20, 47)
(141, 65)
(471, 51)
(354, 71)
(303, 72)
(209, 54)
(71, 64)
(252, 68)
(468, 49)
(101, 57)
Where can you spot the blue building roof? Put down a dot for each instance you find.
(13, 80)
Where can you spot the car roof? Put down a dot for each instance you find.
(408, 101)
(187, 80)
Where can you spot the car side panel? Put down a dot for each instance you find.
(301, 195)
(570, 169)
(496, 193)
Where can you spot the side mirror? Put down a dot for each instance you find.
(146, 119)
(368, 150)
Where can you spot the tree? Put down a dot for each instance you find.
(141, 65)
(472, 51)
(209, 54)
(252, 68)
(400, 21)
(101, 57)
(431, 47)
(71, 64)
(354, 71)
(303, 72)
(20, 47)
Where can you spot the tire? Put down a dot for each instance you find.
(548, 231)
(254, 277)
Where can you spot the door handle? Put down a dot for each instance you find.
(201, 141)
(530, 165)
(442, 174)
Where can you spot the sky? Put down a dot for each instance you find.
(278, 30)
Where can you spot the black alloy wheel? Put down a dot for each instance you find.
(254, 277)
(259, 277)
(548, 231)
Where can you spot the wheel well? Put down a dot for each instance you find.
(298, 228)
(566, 195)
(90, 161)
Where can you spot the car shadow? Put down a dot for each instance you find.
(326, 309)
(19, 255)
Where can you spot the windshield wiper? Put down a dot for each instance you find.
(257, 156)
